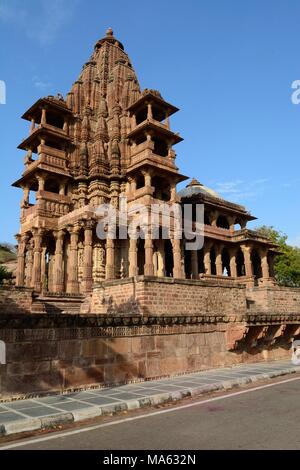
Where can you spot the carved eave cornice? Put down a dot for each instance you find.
(149, 97)
(50, 103)
(252, 236)
(35, 169)
(153, 163)
(33, 140)
(37, 320)
(218, 203)
(155, 127)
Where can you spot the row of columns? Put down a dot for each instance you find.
(246, 250)
(37, 268)
(178, 270)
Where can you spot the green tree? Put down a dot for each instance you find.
(287, 264)
(4, 274)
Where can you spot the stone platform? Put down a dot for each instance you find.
(140, 328)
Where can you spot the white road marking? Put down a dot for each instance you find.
(144, 416)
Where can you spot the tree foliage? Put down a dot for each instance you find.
(287, 264)
(4, 274)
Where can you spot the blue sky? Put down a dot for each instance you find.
(227, 64)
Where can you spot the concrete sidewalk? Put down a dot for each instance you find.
(39, 413)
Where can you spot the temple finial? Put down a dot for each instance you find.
(109, 32)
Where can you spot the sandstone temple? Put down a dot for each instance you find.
(88, 310)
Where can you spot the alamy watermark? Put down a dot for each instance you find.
(295, 97)
(296, 352)
(2, 352)
(2, 92)
(156, 221)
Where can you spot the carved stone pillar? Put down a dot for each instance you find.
(29, 264)
(37, 254)
(177, 270)
(41, 181)
(132, 257)
(133, 186)
(43, 118)
(147, 178)
(194, 262)
(32, 126)
(73, 285)
(233, 267)
(98, 262)
(271, 259)
(219, 264)
(149, 111)
(88, 259)
(173, 192)
(161, 259)
(58, 281)
(265, 264)
(247, 258)
(148, 268)
(43, 269)
(62, 188)
(25, 200)
(214, 218)
(20, 274)
(133, 122)
(206, 259)
(110, 259)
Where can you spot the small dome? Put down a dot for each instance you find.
(194, 188)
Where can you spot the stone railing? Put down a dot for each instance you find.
(134, 150)
(147, 153)
(52, 157)
(52, 204)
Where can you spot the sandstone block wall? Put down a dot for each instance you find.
(15, 300)
(274, 300)
(153, 296)
(51, 354)
(137, 329)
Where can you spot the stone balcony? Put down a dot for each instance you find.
(152, 121)
(50, 159)
(42, 132)
(46, 126)
(48, 205)
(144, 154)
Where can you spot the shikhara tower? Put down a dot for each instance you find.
(108, 139)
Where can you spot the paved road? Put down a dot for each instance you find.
(266, 418)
